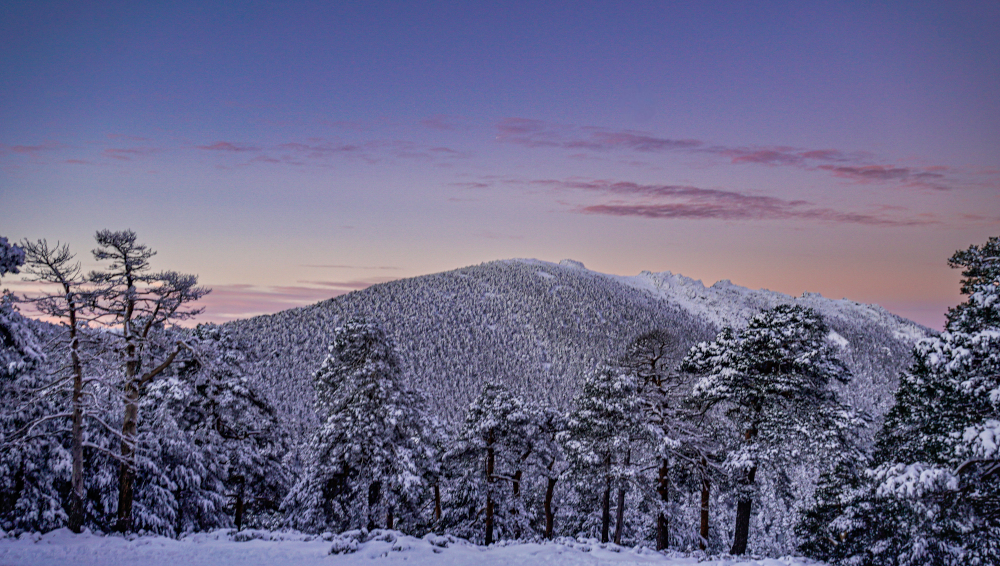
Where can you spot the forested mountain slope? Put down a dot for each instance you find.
(541, 327)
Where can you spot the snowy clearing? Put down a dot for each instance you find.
(250, 548)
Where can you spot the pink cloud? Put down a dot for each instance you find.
(765, 156)
(350, 285)
(126, 137)
(31, 149)
(342, 266)
(228, 146)
(689, 202)
(630, 140)
(921, 178)
(126, 154)
(853, 165)
(438, 122)
(538, 133)
(770, 211)
(230, 302)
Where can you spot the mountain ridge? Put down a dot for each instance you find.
(541, 327)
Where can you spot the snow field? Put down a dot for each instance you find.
(251, 548)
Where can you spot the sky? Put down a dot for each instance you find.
(287, 152)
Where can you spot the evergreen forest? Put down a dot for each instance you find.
(511, 401)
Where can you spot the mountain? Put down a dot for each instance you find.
(541, 327)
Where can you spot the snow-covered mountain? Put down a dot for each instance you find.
(541, 326)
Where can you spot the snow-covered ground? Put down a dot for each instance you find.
(251, 548)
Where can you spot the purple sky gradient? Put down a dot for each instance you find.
(289, 152)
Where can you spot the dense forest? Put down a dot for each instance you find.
(515, 400)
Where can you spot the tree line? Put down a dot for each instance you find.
(119, 420)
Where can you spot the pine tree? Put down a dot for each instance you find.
(681, 436)
(771, 380)
(19, 349)
(33, 458)
(829, 528)
(604, 440)
(69, 304)
(140, 303)
(243, 424)
(485, 466)
(933, 496)
(550, 461)
(365, 466)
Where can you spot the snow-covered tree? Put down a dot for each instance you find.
(830, 527)
(680, 431)
(550, 461)
(34, 463)
(366, 464)
(243, 423)
(772, 380)
(11, 257)
(139, 304)
(19, 350)
(605, 440)
(485, 465)
(980, 267)
(207, 452)
(933, 486)
(68, 304)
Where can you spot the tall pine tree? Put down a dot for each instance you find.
(772, 380)
(366, 465)
(606, 440)
(485, 466)
(932, 492)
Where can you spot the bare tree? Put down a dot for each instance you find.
(139, 304)
(69, 303)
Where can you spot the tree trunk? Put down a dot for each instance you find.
(743, 516)
(620, 510)
(374, 496)
(240, 502)
(549, 515)
(704, 504)
(76, 483)
(437, 502)
(126, 472)
(662, 489)
(620, 518)
(388, 518)
(606, 500)
(490, 480)
(126, 475)
(489, 519)
(516, 489)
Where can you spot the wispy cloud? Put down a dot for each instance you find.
(126, 137)
(350, 285)
(31, 149)
(853, 165)
(781, 155)
(538, 133)
(342, 266)
(126, 154)
(923, 177)
(230, 302)
(439, 122)
(228, 146)
(696, 203)
(317, 151)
